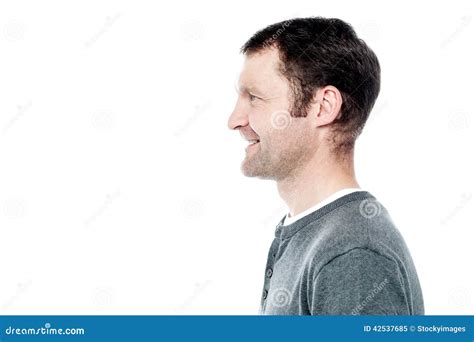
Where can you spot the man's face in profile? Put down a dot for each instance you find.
(278, 143)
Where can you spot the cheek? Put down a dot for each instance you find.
(274, 127)
(294, 137)
(259, 123)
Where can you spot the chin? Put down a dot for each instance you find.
(256, 172)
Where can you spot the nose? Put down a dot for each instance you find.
(238, 118)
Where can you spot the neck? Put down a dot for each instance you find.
(318, 179)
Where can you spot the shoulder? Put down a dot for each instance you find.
(360, 228)
(359, 281)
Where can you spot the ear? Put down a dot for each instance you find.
(326, 106)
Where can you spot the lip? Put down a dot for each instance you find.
(248, 137)
(251, 146)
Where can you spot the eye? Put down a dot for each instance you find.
(252, 98)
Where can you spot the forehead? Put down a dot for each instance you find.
(261, 71)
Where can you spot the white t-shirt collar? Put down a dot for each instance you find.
(338, 194)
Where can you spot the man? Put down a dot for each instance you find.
(305, 93)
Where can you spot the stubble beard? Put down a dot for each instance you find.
(274, 165)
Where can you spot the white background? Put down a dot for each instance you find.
(120, 184)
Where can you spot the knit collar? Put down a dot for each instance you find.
(284, 232)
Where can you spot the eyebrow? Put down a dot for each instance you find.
(251, 89)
